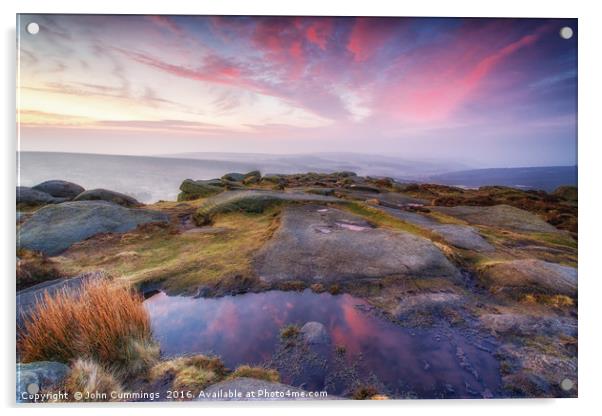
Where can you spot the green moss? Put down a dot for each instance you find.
(557, 239)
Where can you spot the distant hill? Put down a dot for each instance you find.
(546, 178)
(360, 163)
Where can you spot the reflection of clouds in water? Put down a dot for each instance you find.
(245, 329)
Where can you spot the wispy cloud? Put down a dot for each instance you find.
(379, 77)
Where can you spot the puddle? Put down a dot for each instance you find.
(403, 362)
(353, 227)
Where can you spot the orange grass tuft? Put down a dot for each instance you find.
(102, 321)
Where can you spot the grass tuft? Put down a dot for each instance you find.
(259, 373)
(102, 321)
(290, 331)
(364, 393)
(90, 378)
(194, 372)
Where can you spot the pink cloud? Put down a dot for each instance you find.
(438, 86)
(368, 35)
(319, 31)
(165, 22)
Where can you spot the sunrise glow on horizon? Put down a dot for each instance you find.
(499, 92)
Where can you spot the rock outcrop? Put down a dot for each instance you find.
(199, 189)
(317, 244)
(109, 196)
(530, 275)
(60, 189)
(32, 197)
(39, 376)
(53, 228)
(503, 216)
(253, 201)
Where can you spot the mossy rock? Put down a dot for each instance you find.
(199, 189)
(252, 177)
(251, 201)
(233, 177)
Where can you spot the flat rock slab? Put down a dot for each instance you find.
(54, 228)
(503, 216)
(461, 236)
(527, 325)
(531, 274)
(317, 244)
(250, 389)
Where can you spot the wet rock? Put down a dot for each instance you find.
(54, 228)
(426, 302)
(315, 333)
(311, 246)
(503, 216)
(109, 196)
(530, 275)
(32, 197)
(249, 389)
(60, 189)
(39, 376)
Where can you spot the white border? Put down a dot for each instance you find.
(590, 68)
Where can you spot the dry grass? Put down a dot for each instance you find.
(259, 373)
(34, 268)
(290, 331)
(102, 321)
(193, 373)
(87, 376)
(364, 393)
(181, 261)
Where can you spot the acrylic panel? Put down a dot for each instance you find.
(295, 208)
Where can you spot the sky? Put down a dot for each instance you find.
(487, 92)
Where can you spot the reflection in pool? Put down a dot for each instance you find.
(244, 329)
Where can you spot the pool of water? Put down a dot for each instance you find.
(364, 349)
